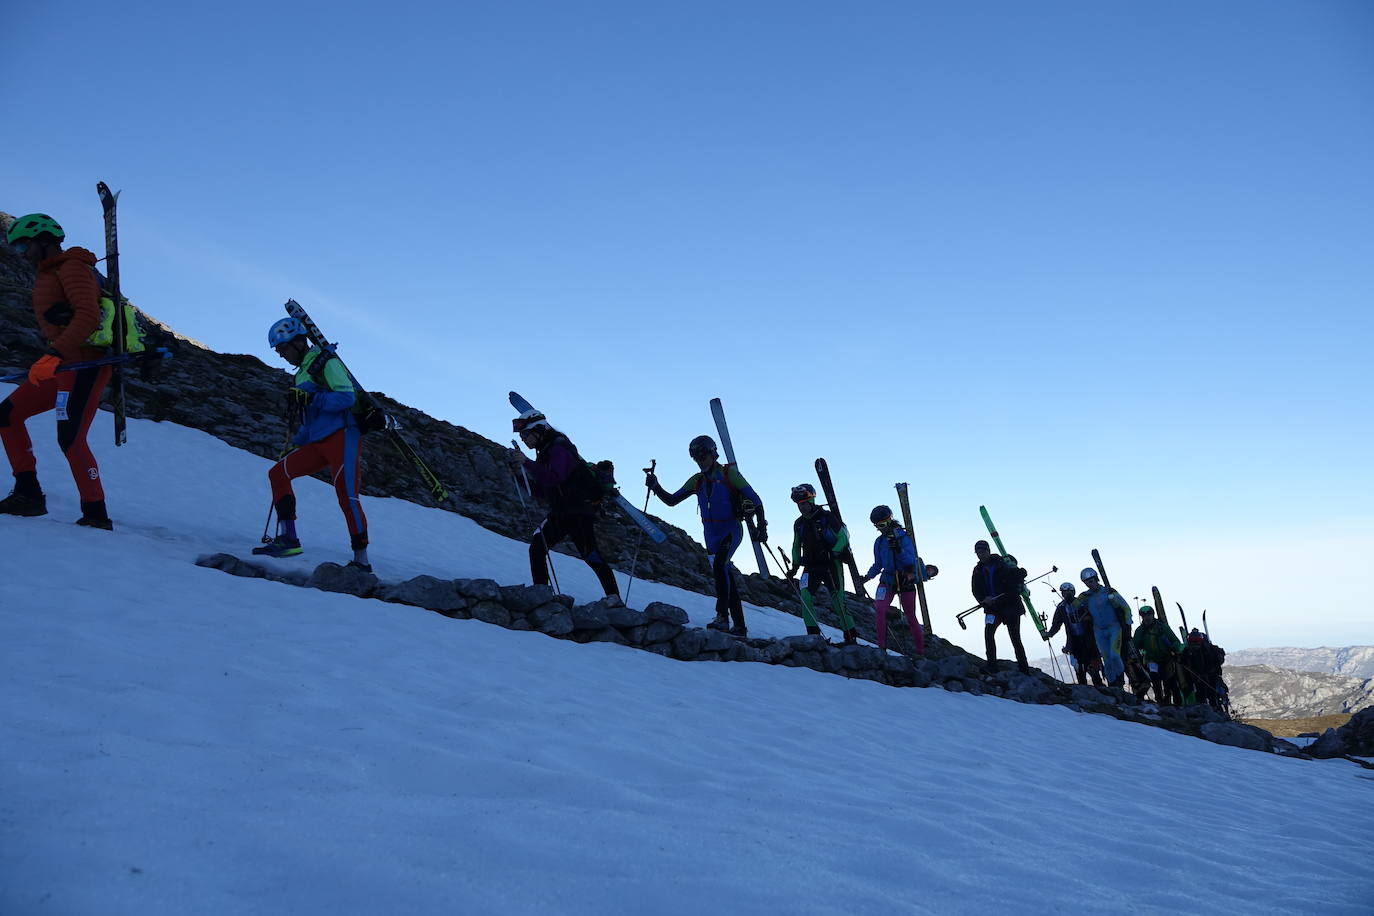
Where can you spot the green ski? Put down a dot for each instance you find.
(1025, 592)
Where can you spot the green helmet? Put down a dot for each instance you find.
(34, 225)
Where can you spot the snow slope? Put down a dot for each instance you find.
(177, 740)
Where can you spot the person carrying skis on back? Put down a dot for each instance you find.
(896, 564)
(322, 395)
(66, 305)
(1202, 661)
(559, 477)
(818, 545)
(1158, 648)
(724, 499)
(997, 584)
(1078, 627)
(1111, 617)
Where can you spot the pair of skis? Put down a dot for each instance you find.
(392, 428)
(643, 521)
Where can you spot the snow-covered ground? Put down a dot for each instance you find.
(176, 740)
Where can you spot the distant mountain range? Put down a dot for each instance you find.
(1291, 683)
(1351, 661)
(1270, 692)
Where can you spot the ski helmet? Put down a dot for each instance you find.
(981, 545)
(284, 330)
(803, 492)
(1146, 609)
(34, 225)
(1088, 575)
(529, 420)
(1067, 588)
(881, 516)
(702, 446)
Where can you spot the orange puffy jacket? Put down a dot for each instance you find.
(66, 303)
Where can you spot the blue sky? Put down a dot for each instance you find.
(1103, 267)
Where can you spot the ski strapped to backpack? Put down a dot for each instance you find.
(366, 410)
(108, 202)
(905, 501)
(828, 487)
(1130, 656)
(718, 414)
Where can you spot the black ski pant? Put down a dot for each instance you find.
(1013, 624)
(727, 589)
(1165, 684)
(581, 530)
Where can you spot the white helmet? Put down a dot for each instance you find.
(1088, 575)
(1067, 588)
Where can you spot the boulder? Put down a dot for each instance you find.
(553, 618)
(667, 613)
(1237, 734)
(491, 612)
(521, 599)
(425, 591)
(590, 616)
(478, 589)
(346, 580)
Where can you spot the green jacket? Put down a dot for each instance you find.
(1156, 641)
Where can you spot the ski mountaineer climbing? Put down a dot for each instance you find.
(1202, 661)
(997, 584)
(1111, 617)
(560, 478)
(323, 396)
(896, 564)
(1078, 627)
(724, 499)
(66, 305)
(1159, 648)
(818, 545)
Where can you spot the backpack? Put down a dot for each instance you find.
(104, 334)
(736, 497)
(369, 417)
(602, 473)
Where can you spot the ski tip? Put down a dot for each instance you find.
(715, 402)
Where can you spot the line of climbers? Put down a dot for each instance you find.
(67, 305)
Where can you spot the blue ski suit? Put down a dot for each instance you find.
(1103, 604)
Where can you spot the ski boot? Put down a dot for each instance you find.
(353, 564)
(93, 515)
(851, 637)
(721, 622)
(279, 547)
(741, 631)
(26, 499)
(813, 631)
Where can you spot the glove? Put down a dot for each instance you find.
(651, 480)
(44, 368)
(301, 396)
(515, 458)
(761, 532)
(868, 578)
(747, 506)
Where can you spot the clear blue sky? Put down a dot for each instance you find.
(1105, 267)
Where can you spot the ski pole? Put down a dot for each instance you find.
(271, 507)
(634, 562)
(962, 614)
(158, 352)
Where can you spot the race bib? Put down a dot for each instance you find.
(1154, 668)
(62, 404)
(805, 578)
(989, 619)
(881, 593)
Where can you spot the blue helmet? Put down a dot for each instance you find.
(284, 330)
